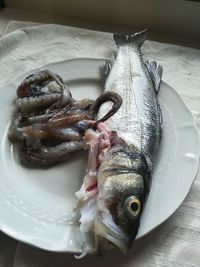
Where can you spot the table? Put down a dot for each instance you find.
(25, 46)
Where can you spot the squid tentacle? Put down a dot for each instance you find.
(28, 98)
(105, 97)
(50, 155)
(49, 124)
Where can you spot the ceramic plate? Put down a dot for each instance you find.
(35, 203)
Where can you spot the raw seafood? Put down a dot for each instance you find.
(41, 90)
(48, 123)
(122, 151)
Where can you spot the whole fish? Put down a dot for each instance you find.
(131, 137)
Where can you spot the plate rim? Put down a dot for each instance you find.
(26, 239)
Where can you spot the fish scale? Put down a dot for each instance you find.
(125, 166)
(138, 119)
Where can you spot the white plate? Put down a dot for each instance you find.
(35, 203)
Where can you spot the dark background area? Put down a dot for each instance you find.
(2, 4)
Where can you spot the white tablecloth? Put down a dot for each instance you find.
(177, 241)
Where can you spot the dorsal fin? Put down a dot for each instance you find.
(155, 72)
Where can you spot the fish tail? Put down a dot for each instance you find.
(137, 38)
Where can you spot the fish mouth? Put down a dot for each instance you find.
(106, 228)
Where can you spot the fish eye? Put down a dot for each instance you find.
(133, 205)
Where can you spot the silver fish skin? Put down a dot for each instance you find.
(139, 120)
(125, 173)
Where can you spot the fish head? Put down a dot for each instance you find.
(122, 192)
(128, 212)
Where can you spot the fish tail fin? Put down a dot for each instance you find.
(137, 38)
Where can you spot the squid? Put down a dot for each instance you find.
(48, 123)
